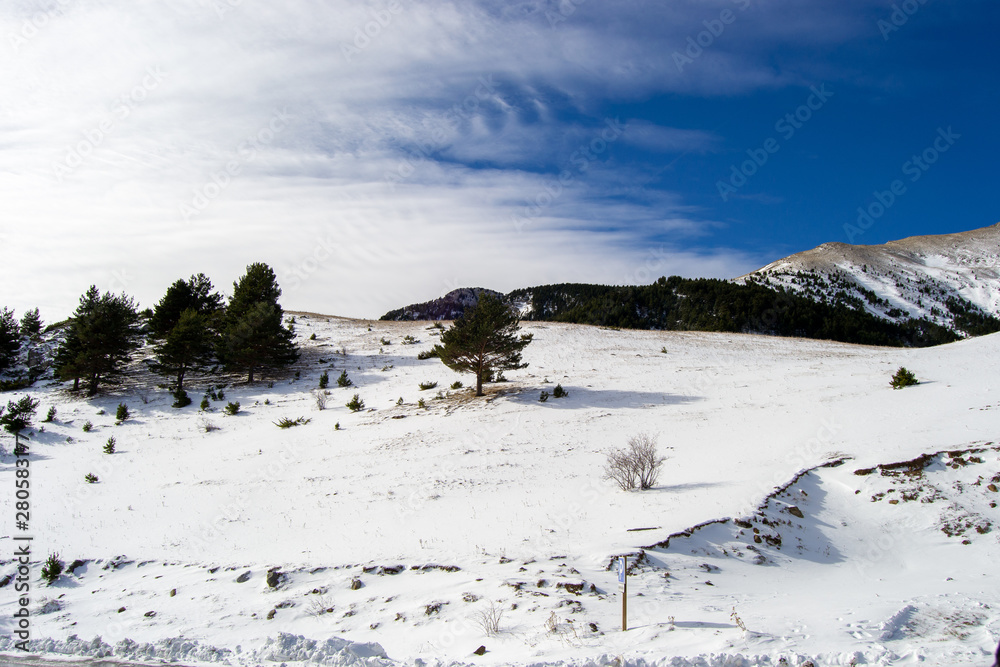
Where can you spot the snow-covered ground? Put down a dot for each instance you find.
(388, 537)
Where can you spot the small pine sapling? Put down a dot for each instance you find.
(50, 415)
(232, 408)
(343, 380)
(356, 404)
(87, 426)
(903, 378)
(324, 380)
(181, 399)
(52, 569)
(90, 478)
(559, 392)
(205, 405)
(109, 446)
(121, 414)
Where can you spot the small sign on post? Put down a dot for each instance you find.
(623, 580)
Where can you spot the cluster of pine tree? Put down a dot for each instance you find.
(191, 330)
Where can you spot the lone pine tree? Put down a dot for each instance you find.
(484, 341)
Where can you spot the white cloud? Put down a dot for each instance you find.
(119, 115)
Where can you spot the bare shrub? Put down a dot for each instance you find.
(488, 619)
(321, 396)
(635, 467)
(321, 604)
(207, 426)
(552, 623)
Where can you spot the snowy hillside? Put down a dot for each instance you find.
(382, 536)
(951, 279)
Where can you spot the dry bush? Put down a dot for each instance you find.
(488, 619)
(321, 396)
(635, 467)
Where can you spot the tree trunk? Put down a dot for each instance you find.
(250, 378)
(76, 384)
(180, 381)
(479, 383)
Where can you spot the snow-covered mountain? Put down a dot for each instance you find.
(950, 279)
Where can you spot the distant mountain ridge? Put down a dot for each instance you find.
(448, 307)
(918, 291)
(952, 280)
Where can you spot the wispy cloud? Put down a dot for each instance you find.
(142, 137)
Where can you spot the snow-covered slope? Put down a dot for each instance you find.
(225, 538)
(931, 277)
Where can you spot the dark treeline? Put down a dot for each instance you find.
(682, 304)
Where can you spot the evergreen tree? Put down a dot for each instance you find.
(31, 323)
(18, 415)
(257, 285)
(10, 340)
(17, 418)
(257, 341)
(254, 338)
(195, 294)
(188, 346)
(102, 335)
(184, 324)
(484, 341)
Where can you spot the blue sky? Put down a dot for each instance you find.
(381, 153)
